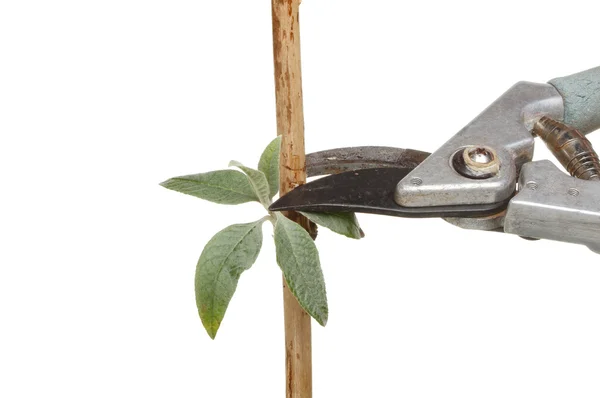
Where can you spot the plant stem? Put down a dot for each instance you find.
(290, 125)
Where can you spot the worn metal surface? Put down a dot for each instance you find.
(369, 191)
(495, 222)
(505, 128)
(553, 205)
(339, 160)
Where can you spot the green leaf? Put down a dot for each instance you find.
(298, 258)
(228, 187)
(343, 223)
(258, 181)
(224, 258)
(269, 165)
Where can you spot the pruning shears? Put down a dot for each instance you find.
(484, 177)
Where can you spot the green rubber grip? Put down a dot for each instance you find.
(581, 93)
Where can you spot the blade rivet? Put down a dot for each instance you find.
(532, 185)
(416, 181)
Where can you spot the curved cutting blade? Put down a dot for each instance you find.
(339, 160)
(369, 191)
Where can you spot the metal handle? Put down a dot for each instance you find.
(581, 94)
(553, 205)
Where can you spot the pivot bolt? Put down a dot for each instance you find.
(479, 156)
(477, 162)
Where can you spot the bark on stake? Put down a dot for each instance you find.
(290, 125)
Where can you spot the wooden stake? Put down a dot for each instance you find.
(290, 125)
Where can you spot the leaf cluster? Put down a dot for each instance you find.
(235, 249)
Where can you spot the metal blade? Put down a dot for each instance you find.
(369, 191)
(339, 160)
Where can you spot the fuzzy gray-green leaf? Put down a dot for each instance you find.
(342, 223)
(269, 165)
(298, 258)
(228, 187)
(258, 181)
(229, 253)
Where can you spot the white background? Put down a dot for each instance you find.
(102, 100)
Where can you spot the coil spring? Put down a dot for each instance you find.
(571, 148)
